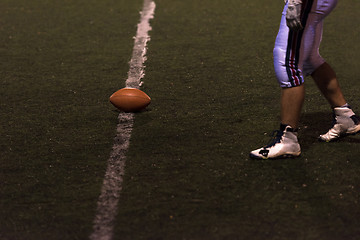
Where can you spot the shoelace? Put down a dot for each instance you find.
(276, 138)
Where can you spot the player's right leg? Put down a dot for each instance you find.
(287, 62)
(283, 145)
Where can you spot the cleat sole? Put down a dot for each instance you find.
(295, 155)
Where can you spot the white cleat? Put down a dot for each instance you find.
(346, 123)
(284, 145)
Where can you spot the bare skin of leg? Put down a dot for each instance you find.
(292, 100)
(325, 78)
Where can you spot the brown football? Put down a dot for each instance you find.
(130, 99)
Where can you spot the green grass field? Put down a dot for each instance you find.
(214, 99)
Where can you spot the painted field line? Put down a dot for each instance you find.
(107, 205)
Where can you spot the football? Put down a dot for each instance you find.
(130, 99)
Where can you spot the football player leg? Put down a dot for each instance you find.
(345, 121)
(287, 63)
(285, 143)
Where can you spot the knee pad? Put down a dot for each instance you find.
(287, 73)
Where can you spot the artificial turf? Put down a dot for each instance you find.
(214, 98)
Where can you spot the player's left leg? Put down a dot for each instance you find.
(345, 121)
(325, 79)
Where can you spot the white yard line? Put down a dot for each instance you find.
(107, 205)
